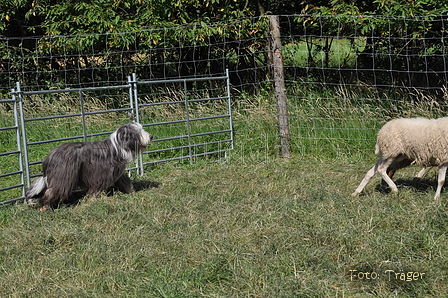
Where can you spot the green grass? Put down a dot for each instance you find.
(239, 229)
(329, 123)
(329, 52)
(252, 225)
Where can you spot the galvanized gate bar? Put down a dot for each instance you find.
(187, 116)
(17, 152)
(72, 90)
(133, 92)
(23, 144)
(19, 98)
(188, 120)
(83, 115)
(229, 109)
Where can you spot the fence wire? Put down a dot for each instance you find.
(344, 75)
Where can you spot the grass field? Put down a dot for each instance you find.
(328, 52)
(248, 224)
(279, 228)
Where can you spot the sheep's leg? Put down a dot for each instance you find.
(381, 166)
(370, 173)
(399, 162)
(390, 173)
(382, 169)
(423, 172)
(441, 180)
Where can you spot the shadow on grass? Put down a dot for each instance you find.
(145, 185)
(421, 185)
(76, 197)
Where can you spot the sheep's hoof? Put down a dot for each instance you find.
(355, 194)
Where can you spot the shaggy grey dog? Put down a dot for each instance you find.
(90, 166)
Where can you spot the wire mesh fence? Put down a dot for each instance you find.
(347, 75)
(344, 75)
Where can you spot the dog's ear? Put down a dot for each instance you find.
(128, 137)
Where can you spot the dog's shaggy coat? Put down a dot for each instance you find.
(90, 166)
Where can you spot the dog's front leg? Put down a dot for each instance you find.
(124, 184)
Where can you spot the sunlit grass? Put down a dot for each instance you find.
(272, 229)
(245, 224)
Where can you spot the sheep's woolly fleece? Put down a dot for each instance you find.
(404, 141)
(423, 140)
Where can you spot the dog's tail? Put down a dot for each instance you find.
(37, 187)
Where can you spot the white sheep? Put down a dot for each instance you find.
(405, 141)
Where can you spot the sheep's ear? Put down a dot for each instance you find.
(131, 117)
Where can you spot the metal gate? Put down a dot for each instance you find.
(189, 118)
(11, 170)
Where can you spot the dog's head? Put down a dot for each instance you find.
(129, 139)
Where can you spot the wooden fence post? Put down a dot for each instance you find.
(279, 86)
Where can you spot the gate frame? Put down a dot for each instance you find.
(17, 97)
(21, 171)
(188, 120)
